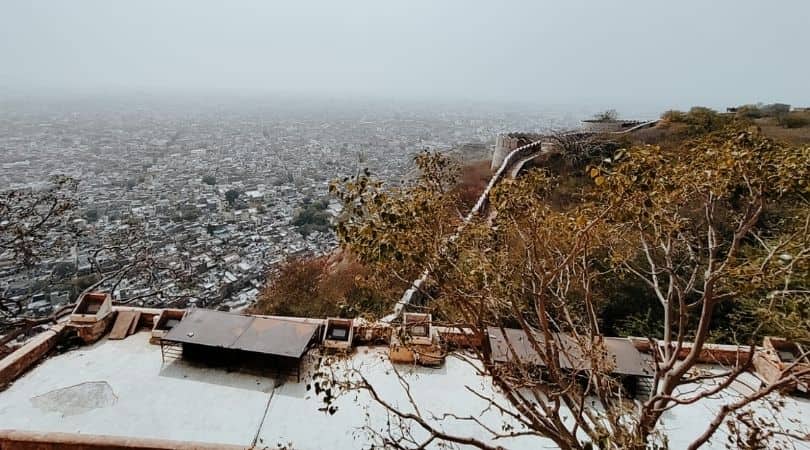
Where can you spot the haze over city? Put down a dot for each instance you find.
(633, 55)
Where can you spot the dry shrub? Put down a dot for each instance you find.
(295, 290)
(325, 286)
(795, 120)
(792, 135)
(472, 181)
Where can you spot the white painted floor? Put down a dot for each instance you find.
(177, 402)
(122, 388)
(294, 418)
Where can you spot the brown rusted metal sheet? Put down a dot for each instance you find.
(569, 353)
(500, 344)
(628, 360)
(277, 336)
(249, 333)
(210, 328)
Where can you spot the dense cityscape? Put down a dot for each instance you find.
(210, 196)
(259, 225)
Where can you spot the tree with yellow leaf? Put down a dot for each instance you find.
(695, 225)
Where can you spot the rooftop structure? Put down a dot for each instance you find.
(780, 355)
(338, 333)
(122, 388)
(418, 328)
(91, 308)
(123, 393)
(214, 334)
(92, 316)
(167, 320)
(512, 344)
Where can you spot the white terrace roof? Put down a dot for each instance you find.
(122, 388)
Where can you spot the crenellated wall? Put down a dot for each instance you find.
(506, 143)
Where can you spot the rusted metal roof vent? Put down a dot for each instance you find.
(92, 316)
(338, 333)
(417, 342)
(418, 328)
(92, 307)
(780, 357)
(167, 320)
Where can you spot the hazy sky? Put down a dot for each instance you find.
(577, 52)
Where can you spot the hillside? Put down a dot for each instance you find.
(404, 227)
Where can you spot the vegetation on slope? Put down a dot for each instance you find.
(395, 232)
(322, 287)
(704, 239)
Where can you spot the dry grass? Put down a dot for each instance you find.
(795, 136)
(672, 135)
(667, 135)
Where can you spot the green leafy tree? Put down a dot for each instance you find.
(232, 195)
(312, 217)
(394, 229)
